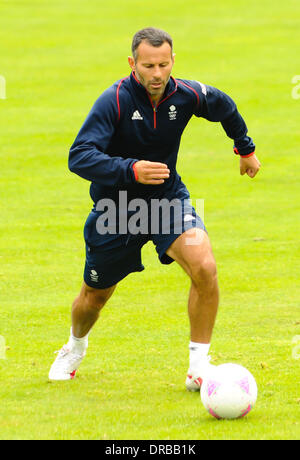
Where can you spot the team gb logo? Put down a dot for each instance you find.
(172, 112)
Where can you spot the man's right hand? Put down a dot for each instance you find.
(150, 172)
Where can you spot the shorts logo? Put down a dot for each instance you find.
(94, 276)
(172, 112)
(188, 217)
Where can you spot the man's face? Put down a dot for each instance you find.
(153, 67)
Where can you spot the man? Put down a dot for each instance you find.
(129, 144)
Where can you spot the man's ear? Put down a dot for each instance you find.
(131, 62)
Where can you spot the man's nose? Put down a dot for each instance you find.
(157, 73)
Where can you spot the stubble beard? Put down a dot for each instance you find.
(154, 94)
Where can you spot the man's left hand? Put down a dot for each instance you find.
(250, 165)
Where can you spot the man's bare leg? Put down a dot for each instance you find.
(199, 263)
(86, 308)
(85, 312)
(192, 250)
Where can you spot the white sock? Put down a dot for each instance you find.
(198, 354)
(78, 344)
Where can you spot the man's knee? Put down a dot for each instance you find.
(203, 271)
(95, 298)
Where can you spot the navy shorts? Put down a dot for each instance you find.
(111, 257)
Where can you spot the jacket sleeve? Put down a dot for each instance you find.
(214, 105)
(87, 157)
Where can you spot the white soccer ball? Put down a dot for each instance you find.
(229, 391)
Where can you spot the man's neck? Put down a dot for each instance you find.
(155, 100)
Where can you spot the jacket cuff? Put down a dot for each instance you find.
(244, 155)
(134, 172)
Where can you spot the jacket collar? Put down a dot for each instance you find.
(141, 90)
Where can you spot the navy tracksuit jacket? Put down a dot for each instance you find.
(124, 127)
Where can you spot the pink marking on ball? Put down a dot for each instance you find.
(246, 411)
(244, 384)
(212, 386)
(213, 414)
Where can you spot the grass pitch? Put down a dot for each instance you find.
(56, 58)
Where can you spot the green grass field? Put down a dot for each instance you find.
(56, 58)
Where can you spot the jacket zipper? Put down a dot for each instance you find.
(154, 109)
(156, 106)
(154, 115)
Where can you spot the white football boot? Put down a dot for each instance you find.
(195, 378)
(66, 364)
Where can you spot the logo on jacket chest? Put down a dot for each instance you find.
(172, 112)
(136, 115)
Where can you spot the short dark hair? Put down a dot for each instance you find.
(156, 37)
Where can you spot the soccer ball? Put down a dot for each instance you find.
(229, 391)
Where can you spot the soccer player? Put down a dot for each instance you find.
(128, 145)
